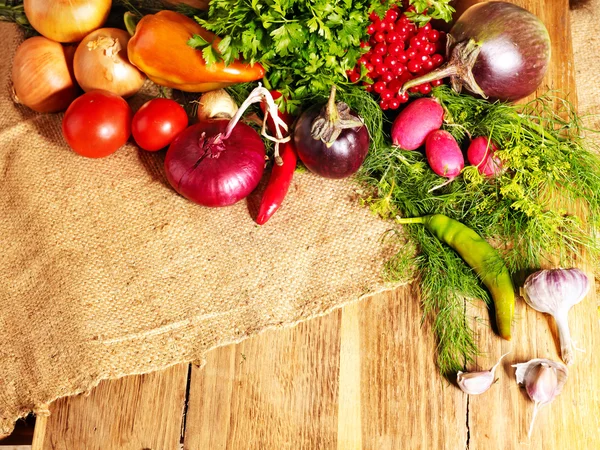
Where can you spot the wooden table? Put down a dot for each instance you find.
(361, 377)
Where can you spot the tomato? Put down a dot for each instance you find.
(157, 123)
(97, 124)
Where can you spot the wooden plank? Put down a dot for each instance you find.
(278, 390)
(405, 401)
(131, 413)
(362, 378)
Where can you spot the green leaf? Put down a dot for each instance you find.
(211, 56)
(197, 42)
(224, 44)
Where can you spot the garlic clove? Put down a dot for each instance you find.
(543, 380)
(474, 383)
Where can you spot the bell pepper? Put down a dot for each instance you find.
(159, 49)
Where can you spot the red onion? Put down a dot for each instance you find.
(496, 50)
(219, 162)
(331, 140)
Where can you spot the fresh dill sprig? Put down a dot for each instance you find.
(544, 154)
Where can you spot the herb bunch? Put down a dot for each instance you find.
(305, 45)
(544, 154)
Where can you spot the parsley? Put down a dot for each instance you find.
(305, 45)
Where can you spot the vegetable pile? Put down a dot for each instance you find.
(349, 88)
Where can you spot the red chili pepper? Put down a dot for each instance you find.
(281, 175)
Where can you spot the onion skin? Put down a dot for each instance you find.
(101, 63)
(42, 75)
(66, 20)
(496, 50)
(220, 178)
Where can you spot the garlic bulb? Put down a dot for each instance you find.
(543, 379)
(216, 104)
(554, 292)
(474, 383)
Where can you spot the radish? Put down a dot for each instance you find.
(415, 122)
(444, 155)
(483, 156)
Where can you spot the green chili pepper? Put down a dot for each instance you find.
(482, 258)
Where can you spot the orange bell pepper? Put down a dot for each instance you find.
(159, 49)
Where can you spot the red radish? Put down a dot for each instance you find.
(415, 122)
(483, 156)
(443, 154)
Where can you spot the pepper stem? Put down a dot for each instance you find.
(411, 219)
(130, 22)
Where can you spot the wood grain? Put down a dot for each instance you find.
(361, 377)
(131, 413)
(278, 390)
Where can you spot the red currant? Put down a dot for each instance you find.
(423, 58)
(373, 17)
(370, 67)
(394, 103)
(387, 95)
(395, 85)
(392, 37)
(426, 28)
(413, 66)
(383, 105)
(382, 25)
(400, 69)
(391, 15)
(433, 36)
(379, 87)
(414, 89)
(437, 59)
(404, 21)
(403, 58)
(411, 54)
(364, 45)
(395, 49)
(371, 29)
(436, 83)
(416, 43)
(387, 77)
(390, 61)
(353, 77)
(428, 65)
(381, 69)
(376, 59)
(380, 49)
(403, 97)
(368, 87)
(379, 37)
(425, 88)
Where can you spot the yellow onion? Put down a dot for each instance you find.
(101, 63)
(42, 75)
(66, 20)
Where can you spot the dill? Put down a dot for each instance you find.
(544, 153)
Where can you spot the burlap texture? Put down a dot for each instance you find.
(106, 271)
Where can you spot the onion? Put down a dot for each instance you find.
(210, 170)
(216, 104)
(331, 140)
(66, 20)
(101, 63)
(496, 50)
(42, 75)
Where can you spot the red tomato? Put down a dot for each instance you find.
(97, 124)
(157, 123)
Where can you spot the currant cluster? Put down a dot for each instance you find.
(396, 52)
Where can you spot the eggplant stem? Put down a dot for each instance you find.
(332, 112)
(446, 70)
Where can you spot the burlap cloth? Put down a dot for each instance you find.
(105, 271)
